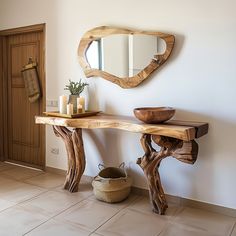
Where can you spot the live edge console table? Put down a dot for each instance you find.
(176, 139)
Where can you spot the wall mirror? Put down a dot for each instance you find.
(122, 56)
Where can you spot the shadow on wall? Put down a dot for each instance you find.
(220, 132)
(179, 43)
(216, 155)
(92, 96)
(189, 181)
(107, 142)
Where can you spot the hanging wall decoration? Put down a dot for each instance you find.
(122, 56)
(31, 80)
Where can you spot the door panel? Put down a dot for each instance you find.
(1, 100)
(25, 138)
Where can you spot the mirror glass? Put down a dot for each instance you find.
(124, 55)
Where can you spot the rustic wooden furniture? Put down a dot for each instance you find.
(126, 82)
(176, 139)
(154, 115)
(23, 141)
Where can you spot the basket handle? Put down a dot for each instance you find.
(122, 165)
(101, 166)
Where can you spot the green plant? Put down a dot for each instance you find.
(75, 88)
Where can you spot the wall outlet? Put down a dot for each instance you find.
(52, 103)
(55, 151)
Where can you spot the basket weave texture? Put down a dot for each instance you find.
(112, 185)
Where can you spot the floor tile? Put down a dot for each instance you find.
(51, 203)
(184, 230)
(41, 196)
(21, 173)
(16, 221)
(129, 222)
(54, 227)
(85, 190)
(143, 204)
(15, 191)
(5, 204)
(208, 222)
(234, 230)
(88, 215)
(118, 205)
(47, 180)
(5, 166)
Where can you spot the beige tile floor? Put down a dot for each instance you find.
(34, 203)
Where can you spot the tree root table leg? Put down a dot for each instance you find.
(185, 151)
(75, 153)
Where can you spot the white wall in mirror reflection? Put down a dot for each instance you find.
(124, 55)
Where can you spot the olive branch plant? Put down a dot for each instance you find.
(76, 88)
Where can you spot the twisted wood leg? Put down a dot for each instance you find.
(75, 153)
(185, 151)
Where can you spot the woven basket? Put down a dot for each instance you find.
(112, 184)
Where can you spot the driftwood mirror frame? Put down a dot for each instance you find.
(125, 82)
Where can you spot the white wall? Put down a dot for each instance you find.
(198, 80)
(115, 55)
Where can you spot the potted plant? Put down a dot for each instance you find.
(75, 89)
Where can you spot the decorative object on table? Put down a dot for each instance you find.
(176, 139)
(75, 89)
(79, 108)
(80, 104)
(112, 184)
(71, 116)
(63, 104)
(31, 80)
(154, 115)
(69, 110)
(146, 47)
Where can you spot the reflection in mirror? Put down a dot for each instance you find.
(131, 53)
(122, 56)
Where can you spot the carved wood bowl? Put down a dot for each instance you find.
(154, 115)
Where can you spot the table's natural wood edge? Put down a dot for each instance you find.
(126, 123)
(183, 147)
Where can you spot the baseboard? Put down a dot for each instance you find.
(55, 170)
(180, 201)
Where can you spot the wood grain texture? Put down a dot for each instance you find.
(1, 102)
(175, 140)
(200, 127)
(154, 115)
(75, 153)
(185, 151)
(25, 142)
(125, 82)
(24, 29)
(131, 124)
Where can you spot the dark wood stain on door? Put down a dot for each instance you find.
(25, 139)
(1, 100)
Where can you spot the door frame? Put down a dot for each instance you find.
(3, 88)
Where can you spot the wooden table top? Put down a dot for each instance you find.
(183, 130)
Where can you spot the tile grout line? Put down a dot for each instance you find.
(21, 202)
(127, 207)
(18, 203)
(50, 218)
(106, 221)
(46, 190)
(234, 227)
(111, 218)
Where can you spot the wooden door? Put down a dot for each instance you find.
(26, 140)
(1, 101)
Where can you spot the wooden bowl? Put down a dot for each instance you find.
(154, 115)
